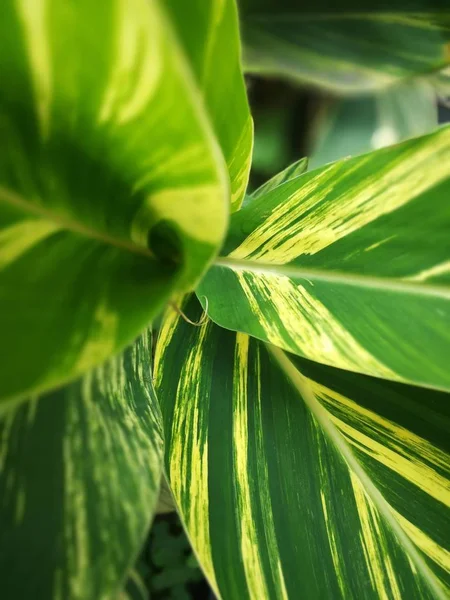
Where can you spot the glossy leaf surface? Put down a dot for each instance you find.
(79, 477)
(348, 265)
(299, 480)
(209, 30)
(112, 186)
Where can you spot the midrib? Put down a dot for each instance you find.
(16, 200)
(374, 282)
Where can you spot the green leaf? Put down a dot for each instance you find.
(294, 170)
(79, 476)
(352, 126)
(111, 183)
(209, 30)
(348, 265)
(136, 588)
(347, 50)
(298, 480)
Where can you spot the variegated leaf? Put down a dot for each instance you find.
(348, 265)
(296, 480)
(210, 33)
(79, 476)
(112, 186)
(350, 49)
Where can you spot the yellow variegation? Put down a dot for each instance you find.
(126, 142)
(206, 28)
(348, 264)
(79, 477)
(112, 183)
(295, 479)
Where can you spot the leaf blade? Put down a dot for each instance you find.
(301, 507)
(227, 102)
(364, 289)
(82, 190)
(80, 476)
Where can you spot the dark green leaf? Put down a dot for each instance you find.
(79, 476)
(296, 480)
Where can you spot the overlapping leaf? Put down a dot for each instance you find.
(297, 168)
(112, 185)
(79, 476)
(294, 170)
(299, 480)
(210, 34)
(347, 48)
(348, 265)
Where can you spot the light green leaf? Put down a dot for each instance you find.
(350, 49)
(296, 480)
(352, 126)
(79, 476)
(112, 186)
(348, 265)
(294, 170)
(209, 30)
(297, 168)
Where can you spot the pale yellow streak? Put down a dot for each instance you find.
(264, 494)
(17, 239)
(335, 555)
(326, 494)
(440, 269)
(76, 528)
(33, 14)
(191, 159)
(166, 333)
(374, 422)
(418, 473)
(378, 244)
(138, 58)
(313, 329)
(189, 466)
(101, 339)
(395, 447)
(305, 222)
(239, 166)
(254, 571)
(437, 553)
(378, 564)
(197, 210)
